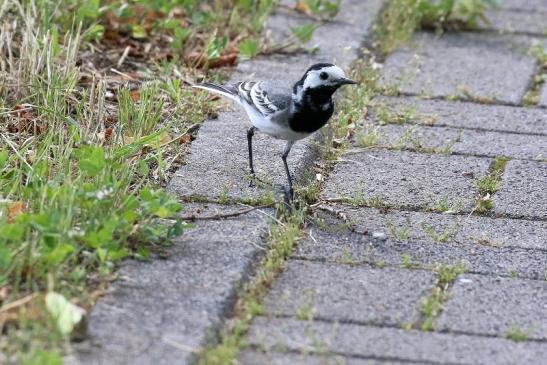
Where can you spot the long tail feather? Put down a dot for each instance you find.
(218, 89)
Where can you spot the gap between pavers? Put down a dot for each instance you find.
(275, 334)
(257, 357)
(163, 311)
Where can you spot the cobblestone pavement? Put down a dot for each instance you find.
(424, 278)
(421, 279)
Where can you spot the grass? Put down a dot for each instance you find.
(489, 185)
(433, 304)
(401, 18)
(516, 334)
(95, 115)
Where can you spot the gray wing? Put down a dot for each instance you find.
(267, 97)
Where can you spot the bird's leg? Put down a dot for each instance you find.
(286, 151)
(250, 134)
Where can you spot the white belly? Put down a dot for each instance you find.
(276, 130)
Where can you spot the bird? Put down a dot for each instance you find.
(289, 114)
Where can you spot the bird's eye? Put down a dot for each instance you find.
(323, 75)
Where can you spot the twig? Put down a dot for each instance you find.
(18, 303)
(225, 215)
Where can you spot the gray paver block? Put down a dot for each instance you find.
(161, 307)
(461, 64)
(484, 245)
(391, 343)
(349, 293)
(524, 5)
(543, 97)
(464, 141)
(406, 179)
(512, 21)
(439, 112)
(523, 190)
(493, 306)
(250, 357)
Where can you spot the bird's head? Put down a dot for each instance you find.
(325, 76)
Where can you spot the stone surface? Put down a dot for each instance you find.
(250, 357)
(464, 64)
(391, 343)
(543, 97)
(483, 245)
(464, 141)
(517, 21)
(219, 153)
(523, 190)
(494, 306)
(349, 293)
(469, 115)
(159, 312)
(524, 5)
(406, 179)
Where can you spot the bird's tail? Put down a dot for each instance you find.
(218, 89)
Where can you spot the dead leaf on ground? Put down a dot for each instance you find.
(15, 209)
(302, 7)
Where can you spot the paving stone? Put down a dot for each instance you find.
(251, 357)
(524, 5)
(439, 112)
(408, 179)
(349, 293)
(523, 190)
(462, 64)
(219, 153)
(494, 306)
(511, 21)
(391, 343)
(464, 141)
(543, 97)
(483, 245)
(158, 311)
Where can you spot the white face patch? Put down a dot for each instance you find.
(313, 78)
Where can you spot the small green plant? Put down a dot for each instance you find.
(406, 261)
(431, 307)
(516, 334)
(401, 18)
(449, 273)
(368, 137)
(402, 233)
(305, 312)
(445, 236)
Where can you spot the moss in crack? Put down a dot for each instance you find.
(432, 305)
(489, 185)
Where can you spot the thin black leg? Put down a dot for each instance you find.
(250, 134)
(286, 151)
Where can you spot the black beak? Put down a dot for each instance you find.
(344, 81)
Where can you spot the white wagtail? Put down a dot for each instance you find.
(282, 113)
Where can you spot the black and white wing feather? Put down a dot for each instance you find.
(267, 98)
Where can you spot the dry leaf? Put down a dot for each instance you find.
(15, 209)
(302, 7)
(185, 138)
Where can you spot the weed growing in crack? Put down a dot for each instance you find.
(516, 334)
(445, 236)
